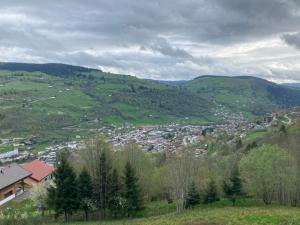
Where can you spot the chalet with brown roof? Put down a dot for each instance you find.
(41, 172)
(12, 182)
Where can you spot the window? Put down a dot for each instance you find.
(6, 195)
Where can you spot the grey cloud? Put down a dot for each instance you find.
(158, 38)
(162, 46)
(292, 39)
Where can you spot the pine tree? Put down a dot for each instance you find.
(85, 191)
(64, 193)
(102, 183)
(116, 201)
(51, 196)
(233, 188)
(211, 194)
(132, 194)
(239, 143)
(283, 129)
(193, 196)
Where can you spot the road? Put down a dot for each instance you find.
(289, 120)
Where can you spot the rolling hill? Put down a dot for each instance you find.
(57, 101)
(250, 95)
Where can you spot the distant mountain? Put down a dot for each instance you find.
(292, 84)
(172, 82)
(249, 95)
(48, 68)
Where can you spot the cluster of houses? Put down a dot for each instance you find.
(20, 149)
(156, 138)
(15, 178)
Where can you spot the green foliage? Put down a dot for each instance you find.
(5, 148)
(269, 174)
(85, 192)
(214, 214)
(142, 163)
(239, 143)
(233, 187)
(134, 201)
(63, 197)
(193, 196)
(250, 95)
(116, 201)
(103, 181)
(282, 129)
(211, 193)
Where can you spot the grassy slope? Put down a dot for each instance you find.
(57, 107)
(252, 96)
(66, 101)
(247, 212)
(5, 148)
(209, 215)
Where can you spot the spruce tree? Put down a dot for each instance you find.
(116, 201)
(211, 194)
(233, 188)
(51, 196)
(64, 193)
(239, 143)
(132, 194)
(102, 182)
(193, 196)
(85, 191)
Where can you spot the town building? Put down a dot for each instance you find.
(12, 182)
(40, 172)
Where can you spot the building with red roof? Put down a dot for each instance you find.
(40, 172)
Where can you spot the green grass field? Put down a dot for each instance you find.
(5, 148)
(214, 215)
(247, 212)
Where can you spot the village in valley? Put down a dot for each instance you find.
(168, 138)
(21, 168)
(172, 138)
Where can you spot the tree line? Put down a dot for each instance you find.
(120, 183)
(109, 192)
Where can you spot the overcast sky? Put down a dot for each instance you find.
(157, 39)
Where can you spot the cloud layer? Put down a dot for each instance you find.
(158, 39)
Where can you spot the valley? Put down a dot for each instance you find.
(48, 105)
(187, 130)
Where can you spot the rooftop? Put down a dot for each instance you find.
(12, 174)
(39, 169)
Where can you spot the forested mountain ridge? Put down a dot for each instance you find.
(56, 69)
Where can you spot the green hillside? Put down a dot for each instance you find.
(57, 101)
(250, 95)
(59, 105)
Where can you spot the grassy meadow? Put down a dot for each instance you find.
(247, 212)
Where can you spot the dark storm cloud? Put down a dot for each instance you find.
(165, 39)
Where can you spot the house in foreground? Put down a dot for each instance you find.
(40, 171)
(12, 182)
